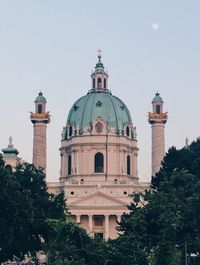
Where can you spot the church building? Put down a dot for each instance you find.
(98, 154)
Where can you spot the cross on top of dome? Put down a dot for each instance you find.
(99, 53)
(99, 66)
(99, 77)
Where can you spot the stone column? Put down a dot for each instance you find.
(158, 146)
(77, 162)
(39, 144)
(65, 164)
(78, 218)
(157, 119)
(119, 218)
(91, 224)
(106, 227)
(40, 119)
(124, 162)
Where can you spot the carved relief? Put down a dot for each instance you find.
(98, 199)
(153, 115)
(40, 115)
(99, 127)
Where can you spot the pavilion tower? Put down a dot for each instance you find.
(99, 77)
(10, 155)
(40, 118)
(157, 119)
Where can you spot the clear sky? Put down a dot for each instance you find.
(148, 46)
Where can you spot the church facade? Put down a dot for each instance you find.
(98, 154)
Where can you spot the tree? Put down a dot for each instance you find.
(187, 158)
(163, 224)
(25, 205)
(132, 244)
(70, 245)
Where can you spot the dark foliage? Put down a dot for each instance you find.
(163, 224)
(25, 205)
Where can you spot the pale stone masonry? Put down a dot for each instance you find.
(99, 159)
(157, 119)
(98, 152)
(40, 119)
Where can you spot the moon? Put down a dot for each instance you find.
(155, 26)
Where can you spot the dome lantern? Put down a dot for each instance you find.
(40, 103)
(157, 103)
(99, 77)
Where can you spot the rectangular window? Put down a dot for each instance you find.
(98, 236)
(98, 221)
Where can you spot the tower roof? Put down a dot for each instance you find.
(157, 98)
(40, 98)
(10, 151)
(99, 63)
(99, 68)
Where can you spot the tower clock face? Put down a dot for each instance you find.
(99, 127)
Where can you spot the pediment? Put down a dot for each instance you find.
(98, 199)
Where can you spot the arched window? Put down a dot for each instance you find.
(8, 167)
(40, 108)
(69, 165)
(93, 82)
(99, 83)
(98, 163)
(104, 82)
(128, 165)
(158, 109)
(70, 131)
(127, 131)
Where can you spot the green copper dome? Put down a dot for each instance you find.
(104, 105)
(10, 151)
(157, 98)
(40, 98)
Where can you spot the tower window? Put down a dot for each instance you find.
(99, 83)
(39, 108)
(70, 131)
(93, 82)
(158, 109)
(98, 163)
(69, 165)
(8, 167)
(128, 165)
(104, 82)
(127, 131)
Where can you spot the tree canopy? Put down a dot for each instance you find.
(25, 205)
(163, 224)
